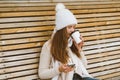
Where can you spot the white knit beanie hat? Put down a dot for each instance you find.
(64, 17)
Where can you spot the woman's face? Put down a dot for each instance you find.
(70, 29)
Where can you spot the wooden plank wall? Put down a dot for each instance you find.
(25, 26)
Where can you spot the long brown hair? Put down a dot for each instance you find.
(59, 45)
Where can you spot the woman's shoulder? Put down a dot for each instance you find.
(47, 44)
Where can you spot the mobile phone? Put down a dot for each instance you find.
(71, 65)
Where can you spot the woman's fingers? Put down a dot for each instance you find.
(82, 38)
(68, 69)
(65, 68)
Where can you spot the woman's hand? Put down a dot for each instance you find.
(64, 68)
(80, 45)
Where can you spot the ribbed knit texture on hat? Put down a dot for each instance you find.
(64, 17)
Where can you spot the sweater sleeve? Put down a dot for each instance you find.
(44, 71)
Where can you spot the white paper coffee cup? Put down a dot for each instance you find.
(76, 36)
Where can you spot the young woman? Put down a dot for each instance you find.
(61, 50)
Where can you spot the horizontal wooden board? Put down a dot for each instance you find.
(26, 19)
(110, 76)
(19, 52)
(101, 33)
(95, 51)
(103, 45)
(106, 72)
(7, 4)
(31, 24)
(19, 63)
(103, 68)
(38, 7)
(18, 68)
(103, 54)
(29, 77)
(100, 41)
(103, 63)
(24, 1)
(24, 40)
(117, 77)
(93, 17)
(43, 28)
(19, 57)
(102, 59)
(43, 13)
(98, 37)
(22, 46)
(18, 74)
(26, 35)
(81, 0)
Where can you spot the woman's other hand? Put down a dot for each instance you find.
(80, 45)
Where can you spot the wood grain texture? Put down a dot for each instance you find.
(26, 25)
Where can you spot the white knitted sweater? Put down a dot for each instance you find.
(48, 69)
